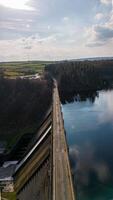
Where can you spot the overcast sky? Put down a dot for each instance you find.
(55, 29)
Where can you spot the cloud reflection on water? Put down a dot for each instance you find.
(89, 128)
(105, 101)
(84, 164)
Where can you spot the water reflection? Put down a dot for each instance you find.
(89, 127)
(81, 96)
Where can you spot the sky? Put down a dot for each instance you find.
(55, 29)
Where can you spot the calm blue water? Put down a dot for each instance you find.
(89, 129)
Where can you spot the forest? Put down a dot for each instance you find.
(23, 104)
(82, 77)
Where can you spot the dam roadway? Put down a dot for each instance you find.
(62, 179)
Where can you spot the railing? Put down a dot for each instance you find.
(62, 179)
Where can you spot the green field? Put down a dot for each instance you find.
(16, 69)
(9, 196)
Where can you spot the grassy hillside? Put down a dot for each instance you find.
(16, 69)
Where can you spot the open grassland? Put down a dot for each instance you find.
(16, 69)
(9, 196)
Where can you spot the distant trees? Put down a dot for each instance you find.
(79, 76)
(23, 103)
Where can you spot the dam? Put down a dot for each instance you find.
(45, 173)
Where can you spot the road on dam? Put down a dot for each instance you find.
(62, 179)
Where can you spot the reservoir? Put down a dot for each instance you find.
(89, 130)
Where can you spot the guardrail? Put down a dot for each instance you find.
(62, 179)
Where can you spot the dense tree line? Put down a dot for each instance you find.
(23, 104)
(82, 76)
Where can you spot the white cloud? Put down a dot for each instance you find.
(106, 2)
(99, 16)
(28, 26)
(15, 25)
(65, 19)
(101, 33)
(16, 4)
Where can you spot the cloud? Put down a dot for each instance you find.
(15, 24)
(106, 2)
(65, 19)
(28, 25)
(103, 33)
(28, 47)
(15, 4)
(35, 47)
(99, 16)
(57, 26)
(100, 34)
